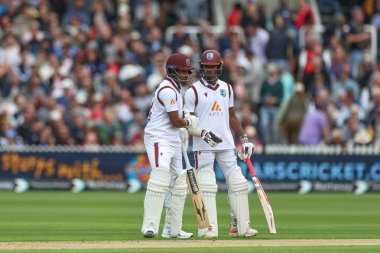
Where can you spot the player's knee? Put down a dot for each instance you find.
(207, 180)
(159, 180)
(237, 182)
(180, 186)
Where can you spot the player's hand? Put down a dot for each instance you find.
(247, 148)
(211, 138)
(193, 121)
(184, 137)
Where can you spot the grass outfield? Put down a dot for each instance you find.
(117, 216)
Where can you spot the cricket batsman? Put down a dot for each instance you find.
(212, 101)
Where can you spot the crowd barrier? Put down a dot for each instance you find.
(280, 168)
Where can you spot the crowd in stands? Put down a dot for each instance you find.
(79, 72)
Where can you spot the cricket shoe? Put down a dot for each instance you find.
(148, 233)
(181, 235)
(209, 232)
(234, 231)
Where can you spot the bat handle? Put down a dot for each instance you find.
(250, 166)
(186, 157)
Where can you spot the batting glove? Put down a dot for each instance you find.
(193, 122)
(211, 138)
(247, 148)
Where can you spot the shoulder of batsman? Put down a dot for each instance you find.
(223, 84)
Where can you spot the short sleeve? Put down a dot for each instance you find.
(168, 98)
(231, 101)
(190, 99)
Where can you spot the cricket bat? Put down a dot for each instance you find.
(263, 198)
(195, 193)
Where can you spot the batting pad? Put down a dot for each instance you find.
(177, 203)
(158, 186)
(207, 183)
(238, 197)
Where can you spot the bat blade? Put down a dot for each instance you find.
(263, 198)
(197, 199)
(265, 205)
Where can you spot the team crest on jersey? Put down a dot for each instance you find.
(210, 56)
(223, 92)
(172, 102)
(206, 94)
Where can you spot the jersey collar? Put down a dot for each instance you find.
(211, 87)
(175, 85)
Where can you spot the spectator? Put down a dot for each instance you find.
(254, 78)
(91, 140)
(286, 79)
(272, 92)
(365, 71)
(254, 13)
(344, 82)
(192, 12)
(375, 126)
(304, 15)
(292, 114)
(180, 37)
(145, 8)
(96, 109)
(110, 128)
(78, 11)
(279, 46)
(336, 30)
(352, 127)
(315, 125)
(358, 38)
(78, 128)
(111, 90)
(257, 40)
(283, 11)
(235, 15)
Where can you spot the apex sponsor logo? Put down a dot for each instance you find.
(216, 107)
(216, 110)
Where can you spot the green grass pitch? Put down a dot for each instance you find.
(117, 216)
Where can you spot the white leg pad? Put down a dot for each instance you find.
(207, 183)
(238, 197)
(158, 186)
(177, 203)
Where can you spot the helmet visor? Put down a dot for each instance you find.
(183, 77)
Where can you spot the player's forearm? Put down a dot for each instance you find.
(236, 126)
(177, 121)
(180, 123)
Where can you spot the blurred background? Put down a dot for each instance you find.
(77, 78)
